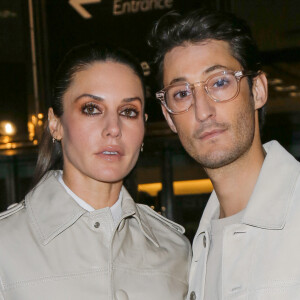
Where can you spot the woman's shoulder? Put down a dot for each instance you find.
(12, 220)
(163, 227)
(12, 209)
(158, 218)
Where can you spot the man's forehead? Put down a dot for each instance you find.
(198, 58)
(198, 48)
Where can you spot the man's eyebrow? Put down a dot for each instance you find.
(207, 71)
(214, 67)
(178, 79)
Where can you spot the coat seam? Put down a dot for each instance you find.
(147, 272)
(11, 286)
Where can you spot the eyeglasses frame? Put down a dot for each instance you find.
(160, 95)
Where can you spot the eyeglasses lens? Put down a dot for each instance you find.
(222, 87)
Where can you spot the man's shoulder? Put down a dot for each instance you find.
(278, 153)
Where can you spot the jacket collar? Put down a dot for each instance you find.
(272, 195)
(52, 210)
(129, 208)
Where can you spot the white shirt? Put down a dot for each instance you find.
(116, 209)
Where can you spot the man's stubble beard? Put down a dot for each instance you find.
(239, 145)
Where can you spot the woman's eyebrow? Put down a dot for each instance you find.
(97, 98)
(131, 99)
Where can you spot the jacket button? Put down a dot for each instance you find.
(121, 295)
(204, 243)
(97, 225)
(193, 296)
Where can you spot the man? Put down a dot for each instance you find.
(247, 244)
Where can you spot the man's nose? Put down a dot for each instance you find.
(204, 106)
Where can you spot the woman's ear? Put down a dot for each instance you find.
(54, 125)
(260, 90)
(169, 119)
(146, 117)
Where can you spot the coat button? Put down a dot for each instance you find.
(204, 243)
(97, 225)
(193, 296)
(121, 295)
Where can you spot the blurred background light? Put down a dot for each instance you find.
(7, 128)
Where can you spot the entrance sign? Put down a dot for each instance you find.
(77, 5)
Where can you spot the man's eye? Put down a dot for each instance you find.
(90, 109)
(181, 94)
(221, 82)
(130, 113)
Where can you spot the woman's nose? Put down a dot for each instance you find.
(112, 127)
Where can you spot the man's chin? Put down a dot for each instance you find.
(214, 160)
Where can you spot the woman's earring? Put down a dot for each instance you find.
(53, 140)
(142, 147)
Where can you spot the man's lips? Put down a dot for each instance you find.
(210, 134)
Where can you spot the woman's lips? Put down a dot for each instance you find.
(111, 153)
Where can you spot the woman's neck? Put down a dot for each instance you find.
(96, 193)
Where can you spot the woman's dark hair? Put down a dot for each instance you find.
(174, 30)
(76, 60)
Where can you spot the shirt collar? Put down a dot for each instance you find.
(272, 195)
(52, 210)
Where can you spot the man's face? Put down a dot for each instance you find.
(214, 134)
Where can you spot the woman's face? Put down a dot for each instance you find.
(102, 127)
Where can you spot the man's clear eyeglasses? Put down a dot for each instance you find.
(223, 86)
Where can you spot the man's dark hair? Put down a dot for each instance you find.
(174, 29)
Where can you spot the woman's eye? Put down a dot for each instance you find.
(91, 109)
(130, 113)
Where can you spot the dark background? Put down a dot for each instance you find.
(57, 27)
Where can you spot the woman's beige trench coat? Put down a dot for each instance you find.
(52, 249)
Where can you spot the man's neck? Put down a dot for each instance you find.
(235, 182)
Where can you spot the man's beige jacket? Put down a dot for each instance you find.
(261, 255)
(53, 249)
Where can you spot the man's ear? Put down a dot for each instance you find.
(54, 125)
(169, 119)
(260, 90)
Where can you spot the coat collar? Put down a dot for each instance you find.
(129, 208)
(52, 210)
(272, 195)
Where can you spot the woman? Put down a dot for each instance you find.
(78, 234)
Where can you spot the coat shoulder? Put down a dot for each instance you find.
(159, 218)
(12, 209)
